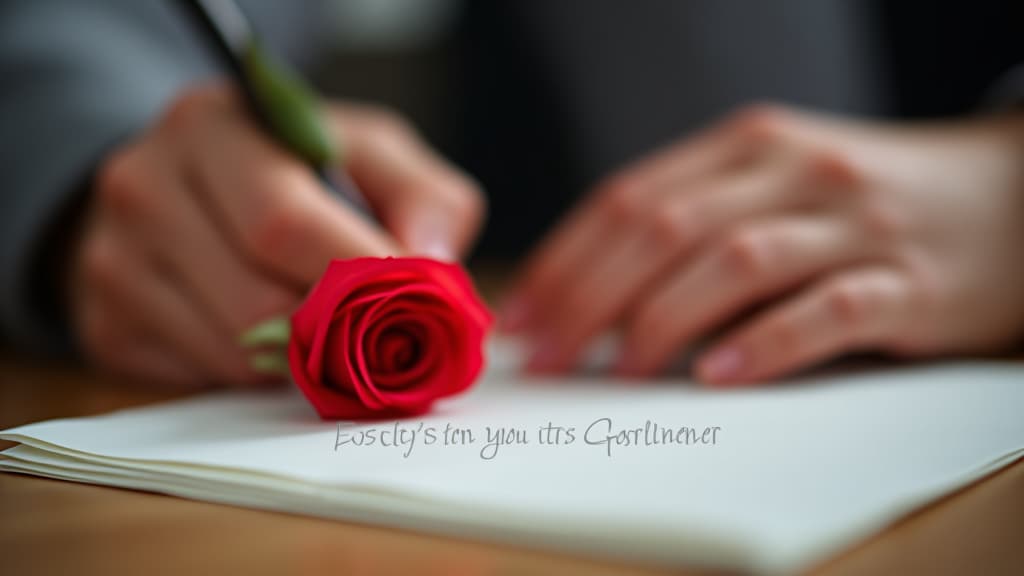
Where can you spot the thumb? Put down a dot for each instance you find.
(428, 205)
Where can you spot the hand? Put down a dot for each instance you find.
(202, 227)
(841, 236)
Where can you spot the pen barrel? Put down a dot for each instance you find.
(290, 109)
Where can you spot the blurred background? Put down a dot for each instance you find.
(541, 99)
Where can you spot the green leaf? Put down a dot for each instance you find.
(290, 107)
(270, 363)
(273, 332)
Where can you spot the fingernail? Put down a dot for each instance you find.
(721, 364)
(429, 239)
(438, 250)
(514, 314)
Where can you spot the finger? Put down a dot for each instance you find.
(275, 210)
(227, 287)
(618, 200)
(851, 311)
(176, 229)
(115, 344)
(753, 263)
(634, 255)
(116, 268)
(430, 206)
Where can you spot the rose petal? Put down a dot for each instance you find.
(356, 360)
(438, 381)
(393, 345)
(327, 405)
(430, 363)
(393, 319)
(426, 322)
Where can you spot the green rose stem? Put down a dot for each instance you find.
(270, 363)
(270, 341)
(272, 332)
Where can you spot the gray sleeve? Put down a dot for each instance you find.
(76, 78)
(1008, 91)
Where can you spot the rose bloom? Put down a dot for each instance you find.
(384, 337)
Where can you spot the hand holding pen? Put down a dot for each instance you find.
(203, 224)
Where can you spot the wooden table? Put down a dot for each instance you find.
(52, 527)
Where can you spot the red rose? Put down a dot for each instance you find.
(381, 337)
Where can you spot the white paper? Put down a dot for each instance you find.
(797, 471)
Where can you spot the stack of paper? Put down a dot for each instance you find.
(766, 480)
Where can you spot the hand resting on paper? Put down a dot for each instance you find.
(840, 235)
(202, 226)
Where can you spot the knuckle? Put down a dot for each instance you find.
(762, 123)
(120, 184)
(99, 264)
(834, 169)
(672, 228)
(881, 220)
(848, 303)
(621, 200)
(267, 237)
(746, 253)
(187, 110)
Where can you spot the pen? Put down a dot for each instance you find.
(284, 105)
(289, 111)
